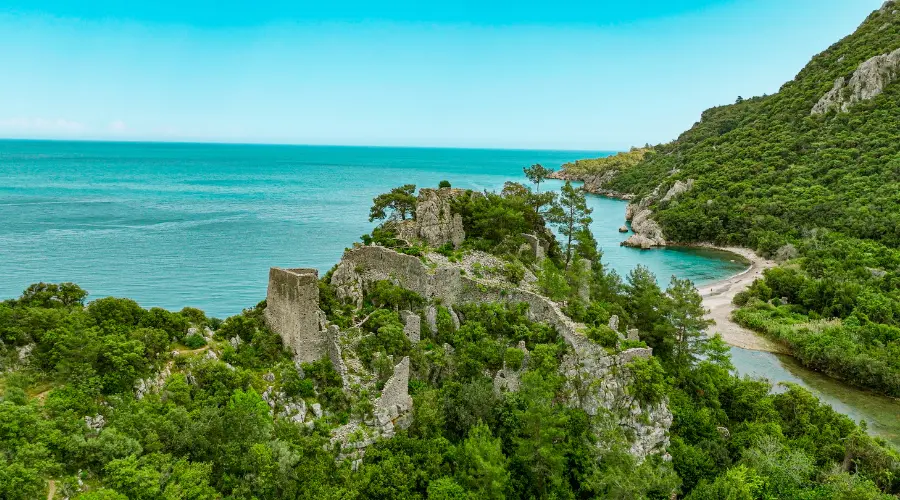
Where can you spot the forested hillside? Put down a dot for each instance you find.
(811, 176)
(105, 400)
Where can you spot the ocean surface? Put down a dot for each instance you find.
(176, 225)
(199, 225)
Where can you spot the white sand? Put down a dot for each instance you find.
(717, 299)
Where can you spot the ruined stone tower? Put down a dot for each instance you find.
(292, 311)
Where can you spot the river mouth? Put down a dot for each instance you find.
(880, 413)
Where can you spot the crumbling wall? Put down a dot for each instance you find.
(292, 311)
(596, 379)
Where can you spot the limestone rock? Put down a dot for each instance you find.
(152, 384)
(867, 82)
(677, 189)
(454, 318)
(317, 410)
(24, 352)
(623, 229)
(412, 325)
(95, 423)
(614, 323)
(436, 223)
(647, 233)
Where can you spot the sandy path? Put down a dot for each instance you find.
(717, 299)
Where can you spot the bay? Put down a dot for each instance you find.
(199, 225)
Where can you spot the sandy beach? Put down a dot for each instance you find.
(717, 299)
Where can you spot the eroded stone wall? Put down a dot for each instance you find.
(292, 311)
(596, 380)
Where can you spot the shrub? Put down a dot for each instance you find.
(514, 271)
(513, 358)
(444, 184)
(194, 341)
(603, 335)
(648, 382)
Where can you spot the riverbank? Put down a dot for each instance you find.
(718, 297)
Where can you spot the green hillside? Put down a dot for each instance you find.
(821, 190)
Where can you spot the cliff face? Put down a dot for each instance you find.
(647, 233)
(867, 82)
(435, 223)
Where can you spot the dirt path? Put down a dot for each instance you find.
(717, 298)
(51, 489)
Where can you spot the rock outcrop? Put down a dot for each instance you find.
(393, 410)
(680, 187)
(435, 222)
(867, 82)
(647, 233)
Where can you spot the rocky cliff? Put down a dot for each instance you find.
(867, 82)
(435, 223)
(647, 233)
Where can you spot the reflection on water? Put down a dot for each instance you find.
(881, 414)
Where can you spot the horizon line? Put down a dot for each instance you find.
(290, 144)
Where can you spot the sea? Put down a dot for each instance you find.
(175, 224)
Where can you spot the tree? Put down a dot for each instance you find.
(481, 465)
(644, 303)
(685, 317)
(537, 174)
(398, 203)
(444, 184)
(570, 215)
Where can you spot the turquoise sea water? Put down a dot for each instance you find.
(176, 225)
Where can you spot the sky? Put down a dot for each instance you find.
(595, 75)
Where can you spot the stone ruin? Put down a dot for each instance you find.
(596, 380)
(292, 311)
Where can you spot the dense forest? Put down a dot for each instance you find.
(78, 419)
(818, 191)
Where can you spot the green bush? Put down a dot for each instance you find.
(513, 358)
(603, 335)
(194, 341)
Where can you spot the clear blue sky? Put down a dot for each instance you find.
(519, 74)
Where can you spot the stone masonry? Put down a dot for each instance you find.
(292, 311)
(596, 379)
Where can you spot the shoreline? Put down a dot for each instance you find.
(718, 296)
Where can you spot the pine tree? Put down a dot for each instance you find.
(570, 215)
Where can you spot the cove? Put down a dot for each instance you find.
(175, 225)
(702, 266)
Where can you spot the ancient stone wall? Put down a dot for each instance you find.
(292, 311)
(596, 379)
